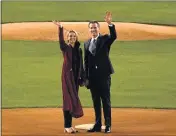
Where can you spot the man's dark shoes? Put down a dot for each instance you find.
(108, 129)
(95, 129)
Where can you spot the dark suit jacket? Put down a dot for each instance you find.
(100, 62)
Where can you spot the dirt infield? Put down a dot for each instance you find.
(125, 122)
(47, 31)
(49, 121)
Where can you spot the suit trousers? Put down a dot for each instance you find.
(100, 91)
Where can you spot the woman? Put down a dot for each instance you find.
(72, 72)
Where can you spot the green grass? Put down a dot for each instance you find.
(144, 74)
(144, 70)
(144, 12)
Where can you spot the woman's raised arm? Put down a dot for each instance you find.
(61, 35)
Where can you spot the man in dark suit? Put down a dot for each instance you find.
(98, 69)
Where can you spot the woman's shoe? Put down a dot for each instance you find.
(68, 130)
(74, 130)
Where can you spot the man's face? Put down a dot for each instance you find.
(94, 29)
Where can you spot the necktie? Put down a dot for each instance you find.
(92, 47)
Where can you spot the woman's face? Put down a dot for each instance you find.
(72, 37)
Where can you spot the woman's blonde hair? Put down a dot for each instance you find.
(72, 31)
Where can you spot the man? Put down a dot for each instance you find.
(98, 69)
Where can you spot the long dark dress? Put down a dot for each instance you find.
(71, 74)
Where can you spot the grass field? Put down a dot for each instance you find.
(145, 70)
(143, 12)
(144, 74)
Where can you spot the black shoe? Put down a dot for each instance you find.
(95, 129)
(108, 129)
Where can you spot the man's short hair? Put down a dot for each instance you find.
(93, 22)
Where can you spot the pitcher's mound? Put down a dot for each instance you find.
(87, 126)
(47, 31)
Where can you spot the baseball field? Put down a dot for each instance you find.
(143, 90)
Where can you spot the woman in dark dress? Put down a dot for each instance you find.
(72, 72)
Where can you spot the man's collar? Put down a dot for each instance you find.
(96, 37)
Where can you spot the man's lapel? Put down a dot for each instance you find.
(98, 45)
(88, 44)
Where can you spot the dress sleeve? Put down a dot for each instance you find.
(62, 43)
